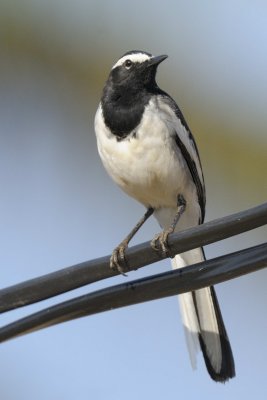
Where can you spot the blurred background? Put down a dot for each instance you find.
(58, 206)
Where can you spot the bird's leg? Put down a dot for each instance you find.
(117, 259)
(160, 241)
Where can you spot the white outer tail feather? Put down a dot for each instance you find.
(191, 326)
(199, 317)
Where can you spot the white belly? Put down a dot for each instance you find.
(149, 167)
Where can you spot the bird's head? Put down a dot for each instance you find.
(135, 69)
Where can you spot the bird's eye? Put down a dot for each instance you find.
(128, 64)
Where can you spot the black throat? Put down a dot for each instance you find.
(123, 108)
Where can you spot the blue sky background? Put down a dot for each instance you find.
(58, 207)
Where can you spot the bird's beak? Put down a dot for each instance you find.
(156, 60)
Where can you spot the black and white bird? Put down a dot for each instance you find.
(147, 148)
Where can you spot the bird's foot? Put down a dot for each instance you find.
(160, 242)
(117, 259)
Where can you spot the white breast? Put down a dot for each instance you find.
(148, 167)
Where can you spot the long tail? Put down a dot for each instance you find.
(204, 325)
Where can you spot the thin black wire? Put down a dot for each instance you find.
(70, 278)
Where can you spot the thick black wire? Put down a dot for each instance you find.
(155, 287)
(70, 278)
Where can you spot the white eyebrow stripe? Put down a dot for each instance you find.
(137, 57)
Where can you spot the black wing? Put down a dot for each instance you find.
(199, 181)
